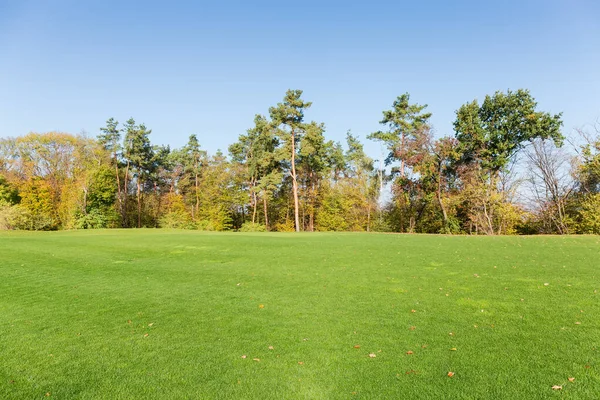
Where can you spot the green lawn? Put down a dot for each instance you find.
(153, 314)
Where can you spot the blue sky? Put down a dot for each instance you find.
(185, 67)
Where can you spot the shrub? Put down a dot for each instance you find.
(176, 220)
(252, 227)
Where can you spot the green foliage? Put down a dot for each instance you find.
(490, 134)
(252, 227)
(589, 214)
(176, 220)
(8, 193)
(37, 201)
(95, 219)
(406, 123)
(102, 189)
(12, 216)
(589, 170)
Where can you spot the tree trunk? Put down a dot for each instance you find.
(197, 192)
(125, 196)
(295, 184)
(402, 155)
(119, 198)
(85, 196)
(266, 212)
(254, 203)
(139, 203)
(439, 197)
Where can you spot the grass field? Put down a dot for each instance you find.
(173, 314)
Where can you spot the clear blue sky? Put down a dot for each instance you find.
(185, 67)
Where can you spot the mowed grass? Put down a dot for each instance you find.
(153, 314)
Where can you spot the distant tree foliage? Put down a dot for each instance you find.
(503, 171)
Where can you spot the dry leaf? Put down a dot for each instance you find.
(451, 333)
(357, 346)
(271, 347)
(577, 323)
(261, 306)
(372, 355)
(547, 284)
(244, 356)
(409, 352)
(571, 379)
(129, 321)
(256, 359)
(48, 394)
(412, 328)
(450, 374)
(300, 362)
(150, 324)
(146, 335)
(453, 349)
(556, 387)
(413, 311)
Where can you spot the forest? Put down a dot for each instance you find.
(507, 169)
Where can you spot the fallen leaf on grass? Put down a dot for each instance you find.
(357, 346)
(256, 359)
(48, 394)
(412, 328)
(372, 355)
(577, 323)
(244, 356)
(271, 347)
(146, 335)
(547, 284)
(556, 387)
(300, 362)
(453, 349)
(571, 379)
(409, 352)
(450, 374)
(261, 306)
(151, 323)
(413, 311)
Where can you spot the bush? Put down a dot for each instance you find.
(12, 217)
(94, 219)
(252, 227)
(176, 220)
(589, 214)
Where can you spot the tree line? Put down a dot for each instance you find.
(505, 170)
